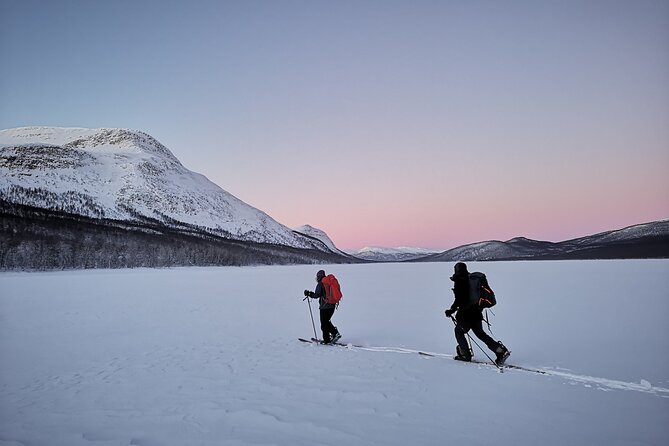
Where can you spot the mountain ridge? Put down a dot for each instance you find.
(644, 240)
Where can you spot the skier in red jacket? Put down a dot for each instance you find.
(330, 332)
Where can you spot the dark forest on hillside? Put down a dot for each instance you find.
(38, 239)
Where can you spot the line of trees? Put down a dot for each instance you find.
(69, 202)
(34, 238)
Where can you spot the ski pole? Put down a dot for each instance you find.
(487, 321)
(480, 348)
(312, 316)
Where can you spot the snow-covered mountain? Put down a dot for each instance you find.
(495, 249)
(126, 175)
(379, 254)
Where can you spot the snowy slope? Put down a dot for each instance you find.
(320, 235)
(127, 175)
(653, 229)
(197, 356)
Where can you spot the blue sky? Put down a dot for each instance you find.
(428, 123)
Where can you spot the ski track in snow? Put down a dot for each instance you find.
(588, 381)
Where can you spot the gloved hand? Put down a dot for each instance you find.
(307, 293)
(449, 312)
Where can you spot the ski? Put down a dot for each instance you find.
(491, 364)
(508, 366)
(318, 341)
(428, 355)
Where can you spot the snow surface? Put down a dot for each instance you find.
(198, 356)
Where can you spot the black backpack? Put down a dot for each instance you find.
(480, 293)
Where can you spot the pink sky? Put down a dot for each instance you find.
(390, 123)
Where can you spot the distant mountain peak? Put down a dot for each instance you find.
(382, 254)
(519, 239)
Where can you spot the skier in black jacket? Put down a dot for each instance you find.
(470, 317)
(330, 332)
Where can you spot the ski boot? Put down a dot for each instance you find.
(461, 355)
(502, 353)
(336, 337)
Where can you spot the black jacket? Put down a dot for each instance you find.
(461, 303)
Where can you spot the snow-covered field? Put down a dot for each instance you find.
(210, 356)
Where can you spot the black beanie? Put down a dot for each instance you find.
(320, 274)
(461, 269)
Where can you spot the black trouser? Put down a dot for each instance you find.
(474, 323)
(327, 328)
